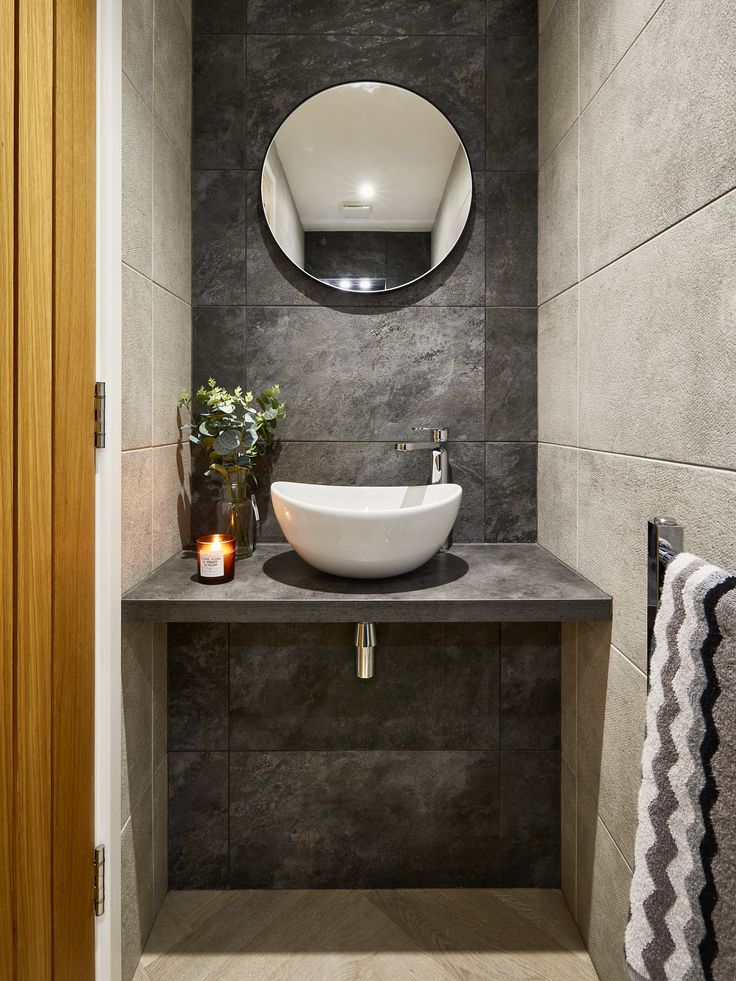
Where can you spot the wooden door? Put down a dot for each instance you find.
(47, 331)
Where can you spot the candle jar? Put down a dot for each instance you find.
(215, 558)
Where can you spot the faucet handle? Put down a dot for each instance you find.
(439, 434)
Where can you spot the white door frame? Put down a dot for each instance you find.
(108, 684)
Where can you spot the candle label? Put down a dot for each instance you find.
(211, 565)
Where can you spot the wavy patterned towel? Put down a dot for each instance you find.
(682, 922)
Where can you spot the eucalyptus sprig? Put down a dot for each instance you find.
(234, 429)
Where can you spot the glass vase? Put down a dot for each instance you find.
(236, 515)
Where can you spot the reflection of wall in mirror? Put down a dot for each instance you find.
(281, 213)
(453, 209)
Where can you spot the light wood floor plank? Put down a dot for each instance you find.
(366, 935)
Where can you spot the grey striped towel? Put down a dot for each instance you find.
(682, 921)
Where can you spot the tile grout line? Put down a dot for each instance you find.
(647, 459)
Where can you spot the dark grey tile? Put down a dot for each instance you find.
(282, 71)
(408, 256)
(511, 239)
(511, 492)
(293, 687)
(370, 464)
(366, 17)
(198, 820)
(507, 17)
(197, 686)
(363, 820)
(530, 686)
(218, 237)
(511, 373)
(204, 496)
(330, 255)
(530, 820)
(274, 280)
(511, 102)
(218, 346)
(350, 374)
(218, 16)
(218, 101)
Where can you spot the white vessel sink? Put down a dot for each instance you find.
(365, 532)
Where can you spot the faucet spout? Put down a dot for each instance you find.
(440, 472)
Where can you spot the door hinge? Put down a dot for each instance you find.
(99, 415)
(99, 880)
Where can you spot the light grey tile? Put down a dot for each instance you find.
(160, 694)
(136, 885)
(610, 721)
(172, 71)
(511, 239)
(138, 46)
(558, 369)
(557, 489)
(136, 367)
(656, 141)
(370, 375)
(568, 837)
(558, 75)
(558, 219)
(136, 517)
(545, 9)
(171, 501)
(568, 694)
(607, 29)
(137, 166)
(511, 374)
(511, 492)
(664, 312)
(603, 883)
(172, 222)
(136, 714)
(160, 835)
(617, 495)
(172, 362)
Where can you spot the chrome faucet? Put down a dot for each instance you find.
(440, 461)
(440, 473)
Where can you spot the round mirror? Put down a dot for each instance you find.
(366, 187)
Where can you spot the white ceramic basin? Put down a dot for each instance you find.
(365, 532)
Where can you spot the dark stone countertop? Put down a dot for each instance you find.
(482, 583)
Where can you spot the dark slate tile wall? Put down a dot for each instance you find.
(457, 348)
(286, 771)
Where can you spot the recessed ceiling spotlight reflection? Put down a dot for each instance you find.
(345, 284)
(364, 284)
(367, 192)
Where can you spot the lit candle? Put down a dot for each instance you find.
(215, 558)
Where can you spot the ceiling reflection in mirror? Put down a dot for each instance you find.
(366, 187)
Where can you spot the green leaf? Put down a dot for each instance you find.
(227, 442)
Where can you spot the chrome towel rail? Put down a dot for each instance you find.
(666, 539)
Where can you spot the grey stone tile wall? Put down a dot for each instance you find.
(637, 203)
(286, 771)
(434, 359)
(156, 328)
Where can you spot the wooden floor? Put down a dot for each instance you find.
(391, 935)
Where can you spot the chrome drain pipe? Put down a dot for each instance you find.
(365, 649)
